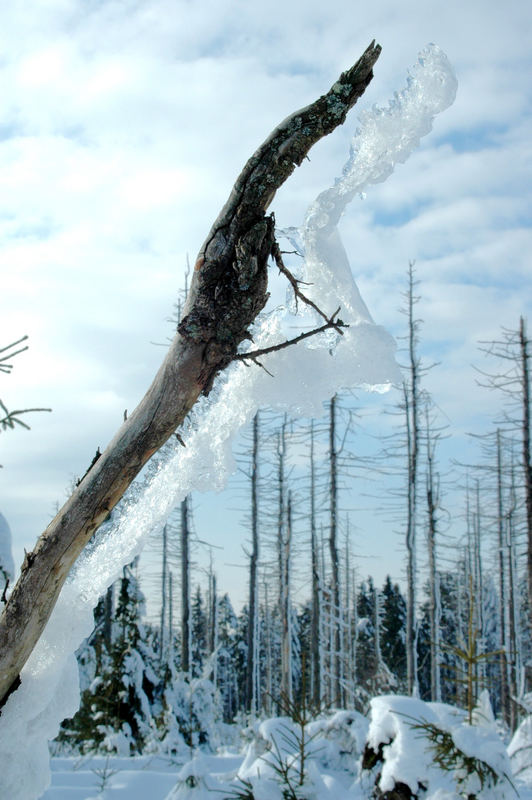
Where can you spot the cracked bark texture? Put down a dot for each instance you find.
(228, 289)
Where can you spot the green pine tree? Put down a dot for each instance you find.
(393, 626)
(198, 625)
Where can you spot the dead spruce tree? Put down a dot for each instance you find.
(333, 549)
(252, 689)
(513, 353)
(227, 291)
(185, 583)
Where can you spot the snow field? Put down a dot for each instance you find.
(336, 765)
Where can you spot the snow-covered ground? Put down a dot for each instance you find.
(143, 778)
(345, 755)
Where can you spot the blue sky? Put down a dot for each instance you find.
(124, 125)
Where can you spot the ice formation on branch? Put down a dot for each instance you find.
(386, 137)
(305, 377)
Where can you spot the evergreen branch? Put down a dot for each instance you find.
(11, 418)
(492, 653)
(450, 758)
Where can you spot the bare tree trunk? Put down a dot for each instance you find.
(326, 637)
(251, 688)
(512, 628)
(333, 550)
(479, 586)
(164, 568)
(228, 289)
(512, 612)
(284, 536)
(434, 604)
(514, 382)
(347, 638)
(461, 583)
(354, 636)
(503, 664)
(524, 346)
(170, 614)
(315, 625)
(411, 401)
(267, 704)
(185, 586)
(410, 643)
(286, 618)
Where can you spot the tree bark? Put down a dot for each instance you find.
(164, 570)
(228, 289)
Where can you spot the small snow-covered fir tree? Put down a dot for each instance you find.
(82, 733)
(227, 645)
(393, 622)
(115, 714)
(365, 640)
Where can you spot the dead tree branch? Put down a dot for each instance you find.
(276, 253)
(252, 355)
(5, 354)
(228, 289)
(12, 418)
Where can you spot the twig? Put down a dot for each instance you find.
(293, 253)
(252, 355)
(93, 462)
(277, 255)
(11, 418)
(3, 358)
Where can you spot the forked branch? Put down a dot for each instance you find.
(253, 355)
(295, 283)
